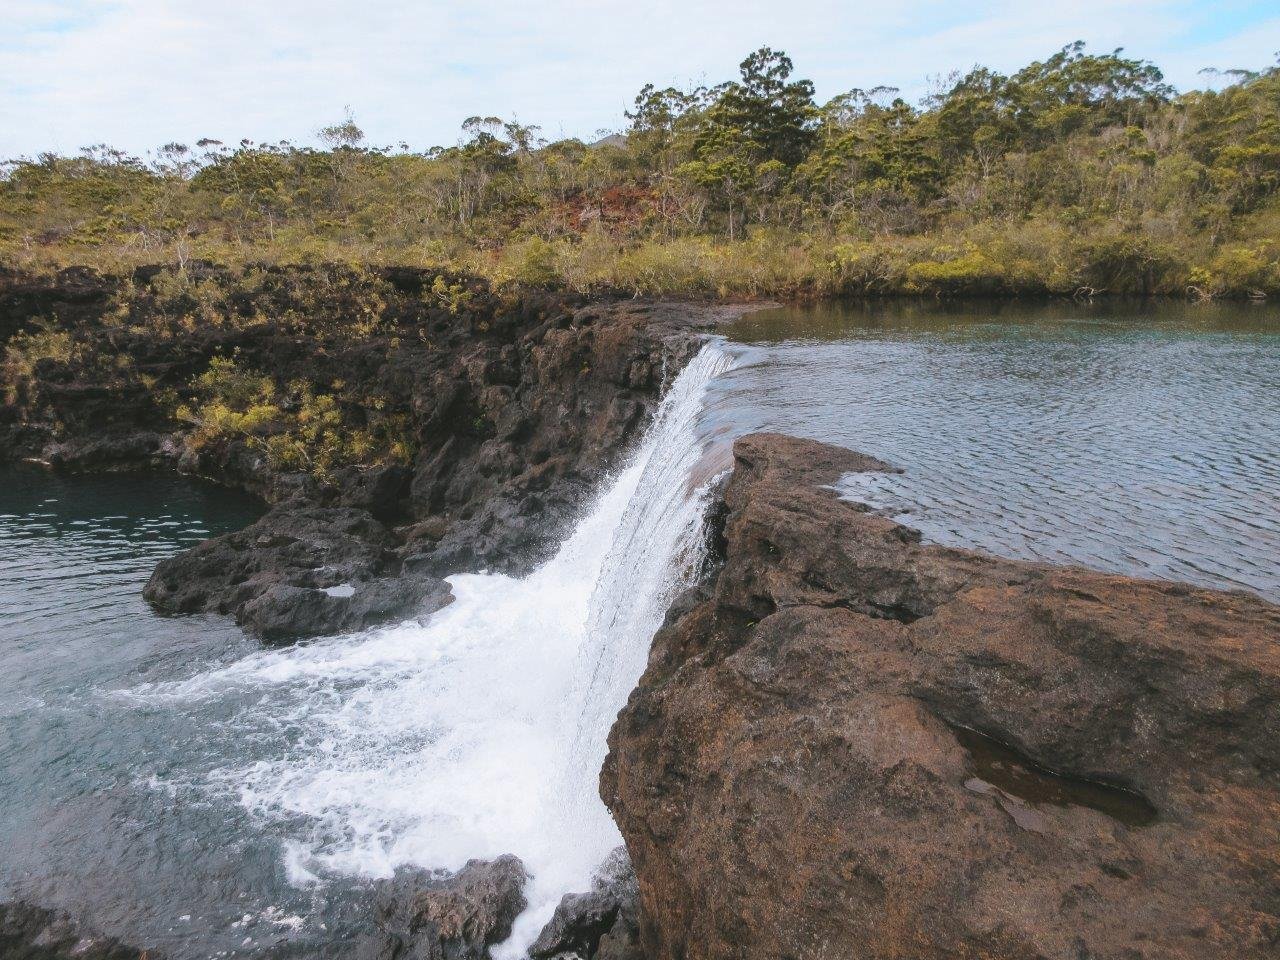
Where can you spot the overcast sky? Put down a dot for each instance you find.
(140, 73)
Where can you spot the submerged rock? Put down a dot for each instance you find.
(425, 916)
(28, 932)
(599, 925)
(859, 746)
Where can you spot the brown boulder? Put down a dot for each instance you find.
(860, 746)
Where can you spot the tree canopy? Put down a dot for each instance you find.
(1076, 147)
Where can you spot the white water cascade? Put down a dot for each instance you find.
(481, 731)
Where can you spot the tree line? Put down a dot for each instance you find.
(1080, 172)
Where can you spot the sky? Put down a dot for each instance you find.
(140, 73)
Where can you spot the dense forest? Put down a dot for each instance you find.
(1083, 173)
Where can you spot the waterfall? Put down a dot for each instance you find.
(654, 545)
(481, 731)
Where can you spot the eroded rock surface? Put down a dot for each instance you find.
(28, 932)
(455, 917)
(860, 746)
(602, 924)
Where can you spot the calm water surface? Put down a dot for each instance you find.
(1144, 441)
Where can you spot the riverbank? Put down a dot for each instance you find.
(1015, 258)
(406, 424)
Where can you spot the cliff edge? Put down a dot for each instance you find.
(855, 745)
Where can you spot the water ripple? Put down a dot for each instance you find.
(1140, 447)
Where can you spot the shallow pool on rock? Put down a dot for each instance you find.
(1139, 439)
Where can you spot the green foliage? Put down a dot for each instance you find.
(531, 262)
(1252, 270)
(1089, 158)
(454, 297)
(962, 271)
(296, 427)
(231, 403)
(24, 352)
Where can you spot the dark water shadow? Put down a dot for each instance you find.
(999, 770)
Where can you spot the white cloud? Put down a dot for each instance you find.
(137, 73)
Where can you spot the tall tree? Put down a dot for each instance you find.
(754, 133)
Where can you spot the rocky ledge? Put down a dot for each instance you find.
(851, 744)
(565, 400)
(29, 932)
(506, 409)
(300, 571)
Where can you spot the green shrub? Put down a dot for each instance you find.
(963, 271)
(24, 352)
(454, 297)
(532, 262)
(1240, 272)
(296, 427)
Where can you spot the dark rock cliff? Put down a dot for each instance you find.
(557, 407)
(855, 745)
(508, 408)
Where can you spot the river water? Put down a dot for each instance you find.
(185, 789)
(1142, 440)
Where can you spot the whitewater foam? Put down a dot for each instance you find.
(480, 732)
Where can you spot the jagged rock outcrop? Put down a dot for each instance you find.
(601, 924)
(435, 915)
(422, 916)
(28, 932)
(859, 746)
(300, 571)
